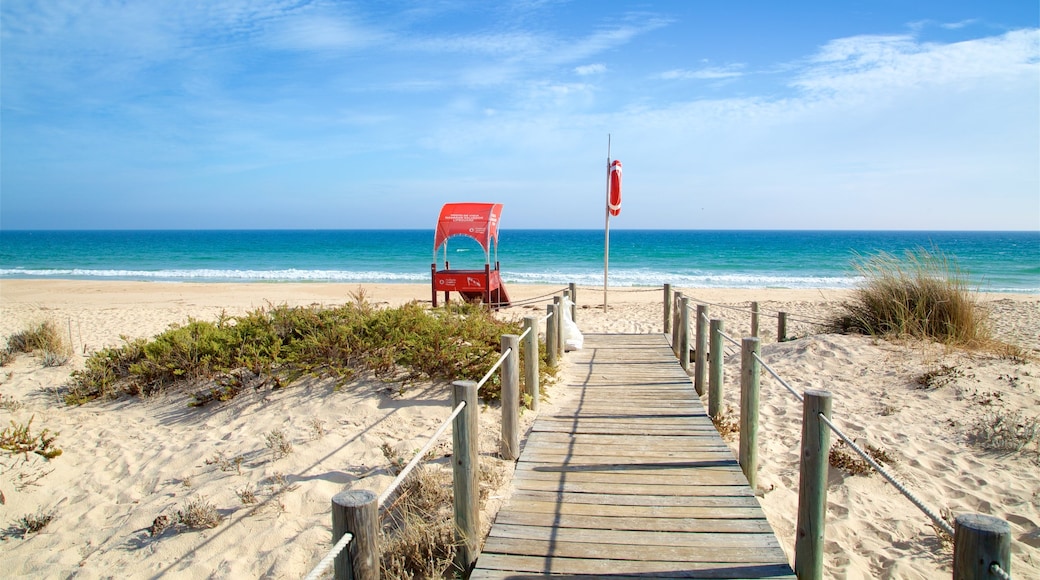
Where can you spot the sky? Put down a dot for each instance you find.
(297, 114)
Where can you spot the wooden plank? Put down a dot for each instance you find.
(624, 538)
(721, 522)
(629, 551)
(501, 566)
(521, 500)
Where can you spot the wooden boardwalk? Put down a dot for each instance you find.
(631, 480)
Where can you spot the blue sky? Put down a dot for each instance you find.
(726, 115)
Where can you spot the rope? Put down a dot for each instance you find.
(995, 568)
(527, 301)
(729, 338)
(324, 563)
(525, 332)
(422, 453)
(497, 364)
(761, 311)
(939, 522)
(777, 377)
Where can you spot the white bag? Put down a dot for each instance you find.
(572, 337)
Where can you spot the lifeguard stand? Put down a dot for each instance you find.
(478, 221)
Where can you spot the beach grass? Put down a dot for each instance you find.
(43, 338)
(920, 294)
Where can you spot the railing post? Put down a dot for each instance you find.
(700, 367)
(550, 334)
(979, 541)
(356, 512)
(749, 377)
(510, 374)
(715, 370)
(573, 288)
(781, 327)
(676, 299)
(558, 319)
(812, 486)
(667, 308)
(531, 361)
(754, 319)
(466, 471)
(684, 334)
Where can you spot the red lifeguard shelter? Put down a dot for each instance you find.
(478, 221)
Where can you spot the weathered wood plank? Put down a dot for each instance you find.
(501, 566)
(730, 521)
(628, 551)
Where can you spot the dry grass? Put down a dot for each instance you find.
(842, 457)
(43, 338)
(199, 514)
(278, 442)
(1006, 431)
(920, 295)
(727, 423)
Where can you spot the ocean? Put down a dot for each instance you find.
(990, 261)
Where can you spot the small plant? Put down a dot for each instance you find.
(18, 438)
(843, 458)
(945, 539)
(10, 404)
(225, 464)
(397, 462)
(940, 377)
(32, 523)
(6, 357)
(247, 495)
(1008, 431)
(199, 514)
(278, 442)
(159, 524)
(317, 427)
(727, 423)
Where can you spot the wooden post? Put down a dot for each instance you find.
(715, 370)
(558, 301)
(510, 374)
(465, 472)
(550, 335)
(684, 334)
(574, 300)
(667, 308)
(676, 298)
(700, 367)
(781, 327)
(356, 512)
(979, 541)
(812, 486)
(749, 377)
(531, 361)
(754, 319)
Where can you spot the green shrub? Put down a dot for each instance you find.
(919, 295)
(284, 343)
(18, 438)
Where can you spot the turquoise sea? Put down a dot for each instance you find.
(992, 261)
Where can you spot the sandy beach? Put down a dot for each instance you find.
(125, 462)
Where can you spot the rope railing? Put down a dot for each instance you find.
(330, 557)
(766, 312)
(995, 568)
(770, 370)
(494, 368)
(527, 301)
(941, 523)
(420, 454)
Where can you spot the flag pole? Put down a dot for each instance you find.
(606, 230)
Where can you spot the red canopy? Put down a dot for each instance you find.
(476, 220)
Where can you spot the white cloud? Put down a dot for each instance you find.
(711, 73)
(590, 69)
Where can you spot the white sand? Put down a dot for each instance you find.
(125, 462)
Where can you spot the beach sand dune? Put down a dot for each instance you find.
(129, 461)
